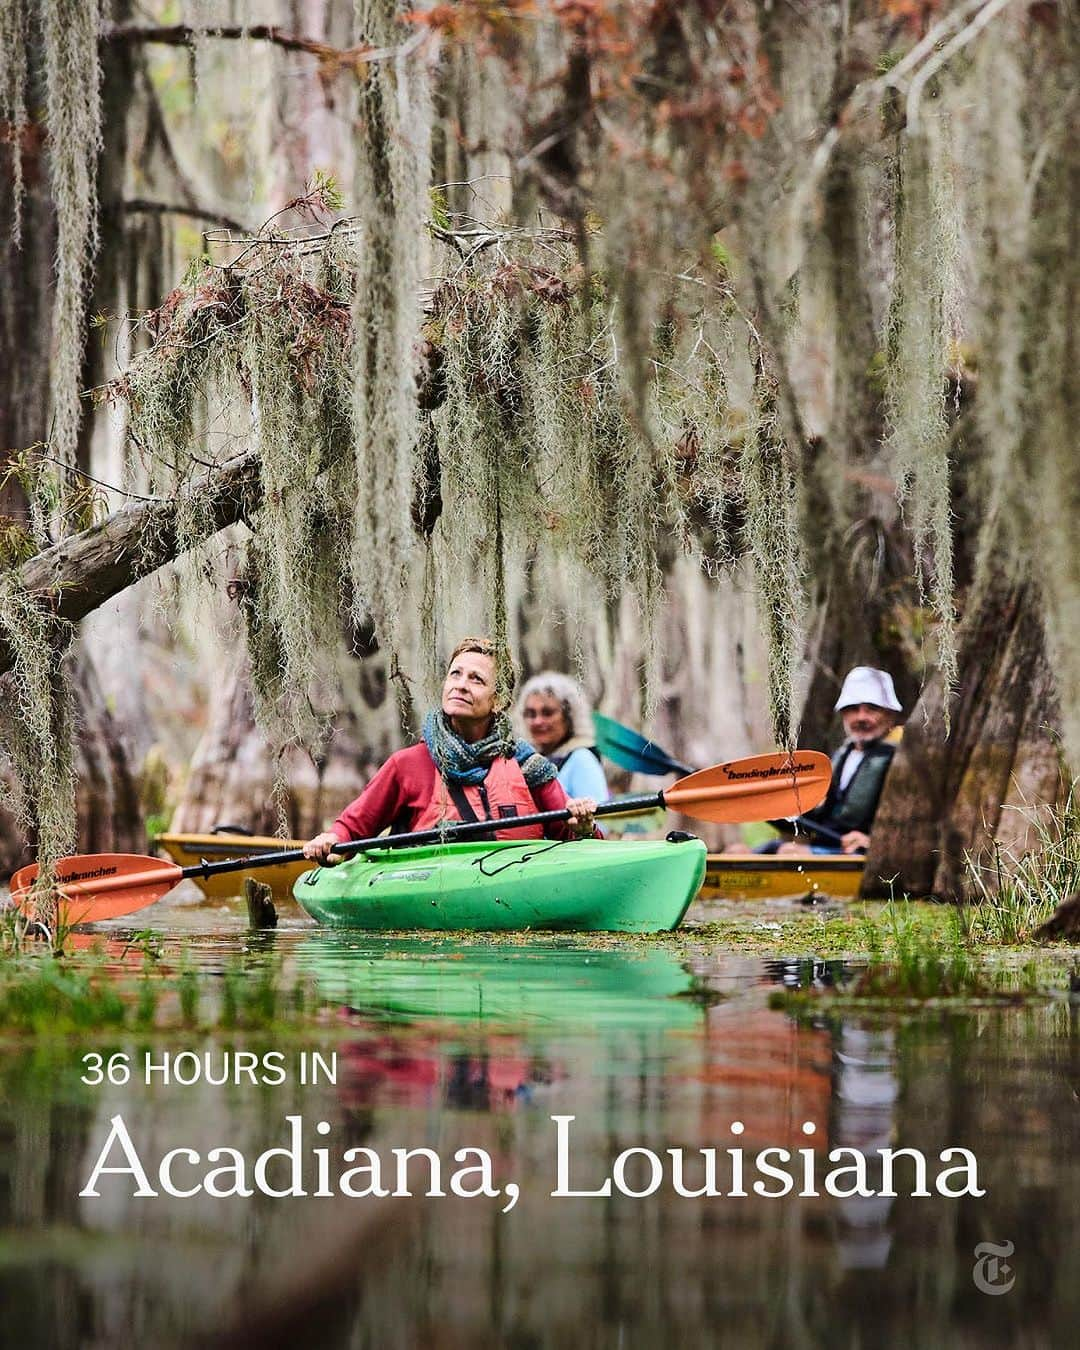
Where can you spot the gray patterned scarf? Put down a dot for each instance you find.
(468, 761)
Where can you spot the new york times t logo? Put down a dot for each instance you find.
(992, 1273)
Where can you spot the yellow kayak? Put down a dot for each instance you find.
(728, 876)
(190, 849)
(763, 876)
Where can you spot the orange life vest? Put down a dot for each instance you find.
(502, 795)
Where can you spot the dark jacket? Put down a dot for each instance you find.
(854, 808)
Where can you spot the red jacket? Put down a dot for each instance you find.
(403, 787)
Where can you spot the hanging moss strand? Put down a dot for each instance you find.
(72, 80)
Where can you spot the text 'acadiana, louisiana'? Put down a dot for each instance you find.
(303, 1168)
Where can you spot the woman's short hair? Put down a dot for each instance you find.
(505, 669)
(566, 692)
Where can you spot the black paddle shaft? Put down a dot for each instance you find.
(447, 834)
(809, 826)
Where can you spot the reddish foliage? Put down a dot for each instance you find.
(158, 320)
(595, 26)
(688, 447)
(314, 315)
(548, 285)
(915, 15)
(29, 138)
(1047, 14)
(490, 24)
(736, 172)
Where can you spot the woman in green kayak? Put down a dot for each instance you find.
(467, 766)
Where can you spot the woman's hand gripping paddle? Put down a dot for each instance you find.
(106, 885)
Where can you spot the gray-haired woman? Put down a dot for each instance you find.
(558, 721)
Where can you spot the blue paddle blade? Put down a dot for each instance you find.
(632, 751)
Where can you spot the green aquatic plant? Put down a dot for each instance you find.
(229, 1014)
(906, 958)
(44, 994)
(920, 969)
(187, 987)
(261, 1002)
(1017, 891)
(146, 1003)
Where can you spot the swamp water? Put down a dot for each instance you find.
(450, 1044)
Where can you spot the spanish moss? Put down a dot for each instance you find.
(919, 346)
(37, 722)
(392, 177)
(14, 59)
(72, 80)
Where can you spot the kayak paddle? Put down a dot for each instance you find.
(632, 751)
(107, 885)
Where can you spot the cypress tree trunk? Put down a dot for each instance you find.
(948, 800)
(233, 770)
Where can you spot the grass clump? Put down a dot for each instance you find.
(47, 993)
(909, 960)
(919, 966)
(188, 989)
(1016, 892)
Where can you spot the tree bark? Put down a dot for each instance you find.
(80, 573)
(948, 801)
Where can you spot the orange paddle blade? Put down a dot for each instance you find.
(95, 886)
(761, 787)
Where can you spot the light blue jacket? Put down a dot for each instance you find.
(582, 776)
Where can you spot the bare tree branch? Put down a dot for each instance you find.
(77, 575)
(140, 206)
(182, 35)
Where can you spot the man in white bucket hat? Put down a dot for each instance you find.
(869, 710)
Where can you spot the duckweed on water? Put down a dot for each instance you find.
(855, 930)
(900, 951)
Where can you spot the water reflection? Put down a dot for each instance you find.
(446, 1045)
(537, 987)
(864, 1096)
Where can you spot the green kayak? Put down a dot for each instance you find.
(586, 885)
